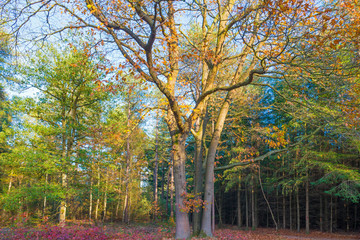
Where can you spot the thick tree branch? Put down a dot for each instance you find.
(232, 87)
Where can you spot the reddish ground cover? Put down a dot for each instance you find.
(137, 232)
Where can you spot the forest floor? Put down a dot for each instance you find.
(157, 232)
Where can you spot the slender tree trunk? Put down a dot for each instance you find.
(117, 208)
(347, 217)
(105, 198)
(156, 167)
(268, 204)
(321, 214)
(331, 214)
(98, 196)
(10, 182)
(290, 211)
(127, 171)
(163, 180)
(62, 215)
(283, 196)
(168, 188)
(219, 208)
(198, 184)
(307, 207)
(277, 207)
(239, 215)
(297, 210)
(326, 214)
(335, 207)
(209, 173)
(253, 221)
(172, 193)
(126, 204)
(284, 211)
(90, 198)
(45, 200)
(247, 208)
(355, 216)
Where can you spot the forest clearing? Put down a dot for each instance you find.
(179, 119)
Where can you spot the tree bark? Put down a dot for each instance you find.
(62, 215)
(331, 214)
(127, 170)
(247, 208)
(209, 173)
(45, 199)
(284, 211)
(290, 211)
(98, 196)
(297, 210)
(239, 214)
(307, 207)
(90, 198)
(199, 135)
(105, 197)
(253, 221)
(182, 219)
(156, 167)
(321, 214)
(172, 193)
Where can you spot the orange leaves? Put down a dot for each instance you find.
(276, 137)
(191, 203)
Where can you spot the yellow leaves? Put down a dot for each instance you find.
(276, 137)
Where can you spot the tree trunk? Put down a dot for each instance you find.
(172, 193)
(284, 211)
(156, 168)
(321, 214)
(277, 207)
(98, 196)
(219, 208)
(90, 198)
(45, 200)
(62, 215)
(239, 215)
(283, 196)
(355, 216)
(209, 173)
(290, 211)
(198, 180)
(347, 217)
(127, 171)
(182, 219)
(253, 221)
(307, 207)
(168, 187)
(331, 214)
(199, 135)
(297, 210)
(105, 197)
(10, 182)
(247, 208)
(326, 214)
